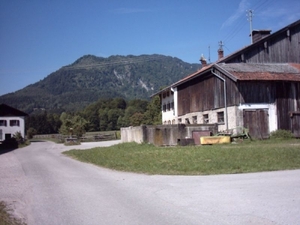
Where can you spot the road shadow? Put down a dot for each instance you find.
(33, 141)
(5, 149)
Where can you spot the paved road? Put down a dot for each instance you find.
(45, 187)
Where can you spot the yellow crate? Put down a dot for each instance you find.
(210, 140)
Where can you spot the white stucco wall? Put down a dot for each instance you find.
(12, 129)
(169, 116)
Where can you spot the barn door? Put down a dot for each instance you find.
(295, 117)
(257, 121)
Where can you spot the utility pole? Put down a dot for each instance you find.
(250, 15)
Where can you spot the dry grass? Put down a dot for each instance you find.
(6, 217)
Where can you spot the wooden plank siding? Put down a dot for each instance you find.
(288, 100)
(281, 48)
(206, 93)
(256, 92)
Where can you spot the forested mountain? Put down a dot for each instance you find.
(91, 78)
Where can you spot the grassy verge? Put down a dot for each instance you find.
(6, 218)
(195, 160)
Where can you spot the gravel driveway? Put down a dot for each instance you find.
(45, 187)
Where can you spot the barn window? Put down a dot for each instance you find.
(221, 117)
(14, 123)
(3, 123)
(194, 119)
(205, 118)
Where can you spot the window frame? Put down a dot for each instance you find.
(221, 117)
(14, 123)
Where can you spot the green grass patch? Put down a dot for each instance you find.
(195, 160)
(6, 218)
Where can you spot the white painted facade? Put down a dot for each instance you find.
(169, 106)
(9, 125)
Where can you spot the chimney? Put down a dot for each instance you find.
(220, 51)
(259, 34)
(203, 61)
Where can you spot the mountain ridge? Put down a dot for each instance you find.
(90, 78)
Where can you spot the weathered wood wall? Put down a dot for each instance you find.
(281, 48)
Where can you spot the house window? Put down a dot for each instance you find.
(194, 119)
(3, 123)
(205, 118)
(168, 106)
(221, 117)
(1, 136)
(179, 121)
(14, 123)
(172, 105)
(164, 107)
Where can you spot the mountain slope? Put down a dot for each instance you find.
(89, 78)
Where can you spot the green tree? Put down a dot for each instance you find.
(153, 114)
(137, 119)
(72, 125)
(31, 132)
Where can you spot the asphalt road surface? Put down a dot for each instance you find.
(43, 187)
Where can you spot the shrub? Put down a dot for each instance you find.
(281, 134)
(18, 137)
(31, 132)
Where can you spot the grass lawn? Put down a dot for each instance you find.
(244, 157)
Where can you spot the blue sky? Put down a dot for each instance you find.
(38, 37)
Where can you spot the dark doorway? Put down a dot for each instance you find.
(7, 136)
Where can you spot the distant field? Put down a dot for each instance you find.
(245, 157)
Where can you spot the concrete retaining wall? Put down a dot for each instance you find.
(164, 135)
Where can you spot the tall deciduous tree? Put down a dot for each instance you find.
(153, 114)
(72, 125)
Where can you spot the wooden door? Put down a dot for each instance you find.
(257, 121)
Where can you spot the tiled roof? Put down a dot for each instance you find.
(205, 68)
(257, 71)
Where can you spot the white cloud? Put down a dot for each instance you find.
(241, 10)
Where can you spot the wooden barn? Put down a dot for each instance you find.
(257, 87)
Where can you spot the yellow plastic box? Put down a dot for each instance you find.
(210, 140)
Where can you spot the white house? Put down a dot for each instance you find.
(11, 121)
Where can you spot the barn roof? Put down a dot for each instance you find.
(6, 110)
(266, 71)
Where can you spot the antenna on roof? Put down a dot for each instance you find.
(250, 15)
(209, 54)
